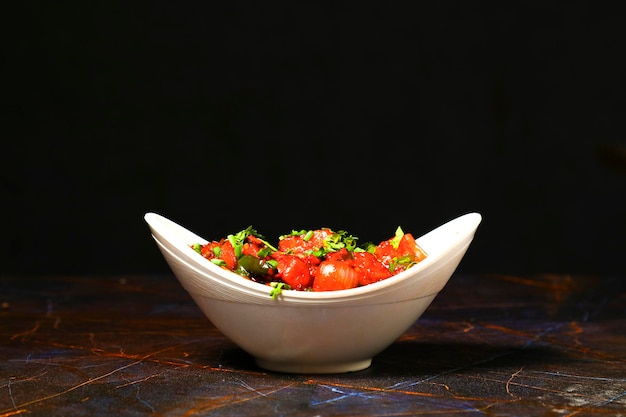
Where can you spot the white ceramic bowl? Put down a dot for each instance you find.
(314, 332)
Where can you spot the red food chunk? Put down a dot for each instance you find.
(208, 250)
(293, 271)
(228, 254)
(408, 246)
(369, 268)
(407, 249)
(252, 246)
(340, 255)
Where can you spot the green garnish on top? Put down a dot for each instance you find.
(395, 242)
(340, 240)
(239, 238)
(277, 288)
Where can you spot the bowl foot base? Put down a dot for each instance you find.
(314, 368)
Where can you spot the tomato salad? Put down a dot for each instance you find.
(312, 260)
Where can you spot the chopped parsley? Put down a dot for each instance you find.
(395, 242)
(277, 288)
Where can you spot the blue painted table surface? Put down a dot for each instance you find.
(497, 345)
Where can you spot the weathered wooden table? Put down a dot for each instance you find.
(546, 345)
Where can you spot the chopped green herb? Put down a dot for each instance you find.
(277, 288)
(403, 260)
(369, 247)
(219, 262)
(297, 233)
(395, 242)
(340, 240)
(265, 252)
(238, 239)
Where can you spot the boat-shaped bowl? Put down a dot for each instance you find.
(314, 332)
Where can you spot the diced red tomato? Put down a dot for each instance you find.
(293, 271)
(208, 250)
(228, 254)
(385, 252)
(335, 275)
(407, 247)
(340, 255)
(252, 246)
(369, 268)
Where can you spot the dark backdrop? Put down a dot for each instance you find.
(354, 116)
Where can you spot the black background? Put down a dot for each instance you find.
(354, 116)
